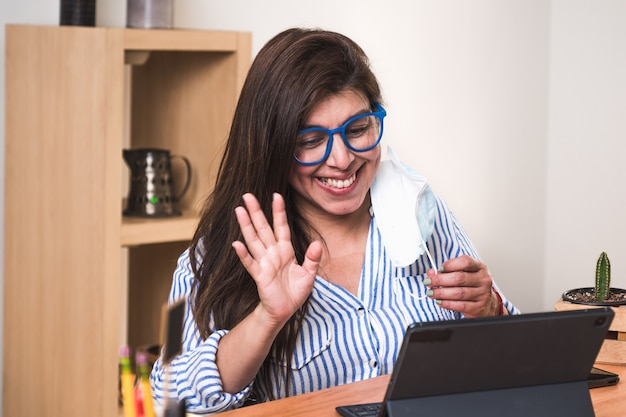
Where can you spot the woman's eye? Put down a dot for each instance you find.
(357, 129)
(311, 139)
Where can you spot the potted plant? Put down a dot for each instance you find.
(613, 349)
(602, 294)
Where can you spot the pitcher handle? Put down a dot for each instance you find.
(188, 181)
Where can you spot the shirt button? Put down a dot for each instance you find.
(361, 312)
(373, 363)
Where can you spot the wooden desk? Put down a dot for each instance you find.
(607, 401)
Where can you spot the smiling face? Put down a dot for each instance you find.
(339, 185)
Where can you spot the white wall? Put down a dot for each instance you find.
(586, 180)
(511, 108)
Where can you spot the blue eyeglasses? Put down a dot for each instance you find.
(359, 133)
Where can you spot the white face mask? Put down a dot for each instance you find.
(404, 206)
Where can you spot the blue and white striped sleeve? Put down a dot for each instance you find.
(193, 376)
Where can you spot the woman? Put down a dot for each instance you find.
(312, 256)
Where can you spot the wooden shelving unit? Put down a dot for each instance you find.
(81, 279)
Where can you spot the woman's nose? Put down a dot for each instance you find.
(340, 155)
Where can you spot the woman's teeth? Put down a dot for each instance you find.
(339, 183)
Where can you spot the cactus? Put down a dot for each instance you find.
(603, 277)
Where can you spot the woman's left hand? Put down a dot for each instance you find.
(464, 285)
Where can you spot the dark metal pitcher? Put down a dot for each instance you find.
(151, 191)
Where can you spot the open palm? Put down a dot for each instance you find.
(269, 257)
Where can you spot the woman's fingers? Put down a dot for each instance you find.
(250, 236)
(485, 306)
(265, 246)
(256, 231)
(281, 227)
(248, 262)
(255, 228)
(463, 272)
(462, 263)
(465, 285)
(312, 257)
(259, 221)
(458, 293)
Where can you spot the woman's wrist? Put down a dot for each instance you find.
(265, 323)
(500, 304)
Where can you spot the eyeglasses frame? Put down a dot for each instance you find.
(381, 113)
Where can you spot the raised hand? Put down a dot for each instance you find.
(269, 257)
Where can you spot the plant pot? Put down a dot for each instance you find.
(613, 350)
(586, 296)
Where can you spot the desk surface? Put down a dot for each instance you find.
(607, 401)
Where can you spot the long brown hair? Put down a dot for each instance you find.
(293, 72)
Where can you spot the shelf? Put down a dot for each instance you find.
(142, 231)
(179, 40)
(81, 278)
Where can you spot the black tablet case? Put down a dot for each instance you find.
(524, 365)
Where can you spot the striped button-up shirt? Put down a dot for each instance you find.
(344, 338)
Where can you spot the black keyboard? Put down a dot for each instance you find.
(359, 410)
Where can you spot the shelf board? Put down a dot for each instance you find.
(142, 231)
(180, 40)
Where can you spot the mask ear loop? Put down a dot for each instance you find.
(397, 282)
(430, 258)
